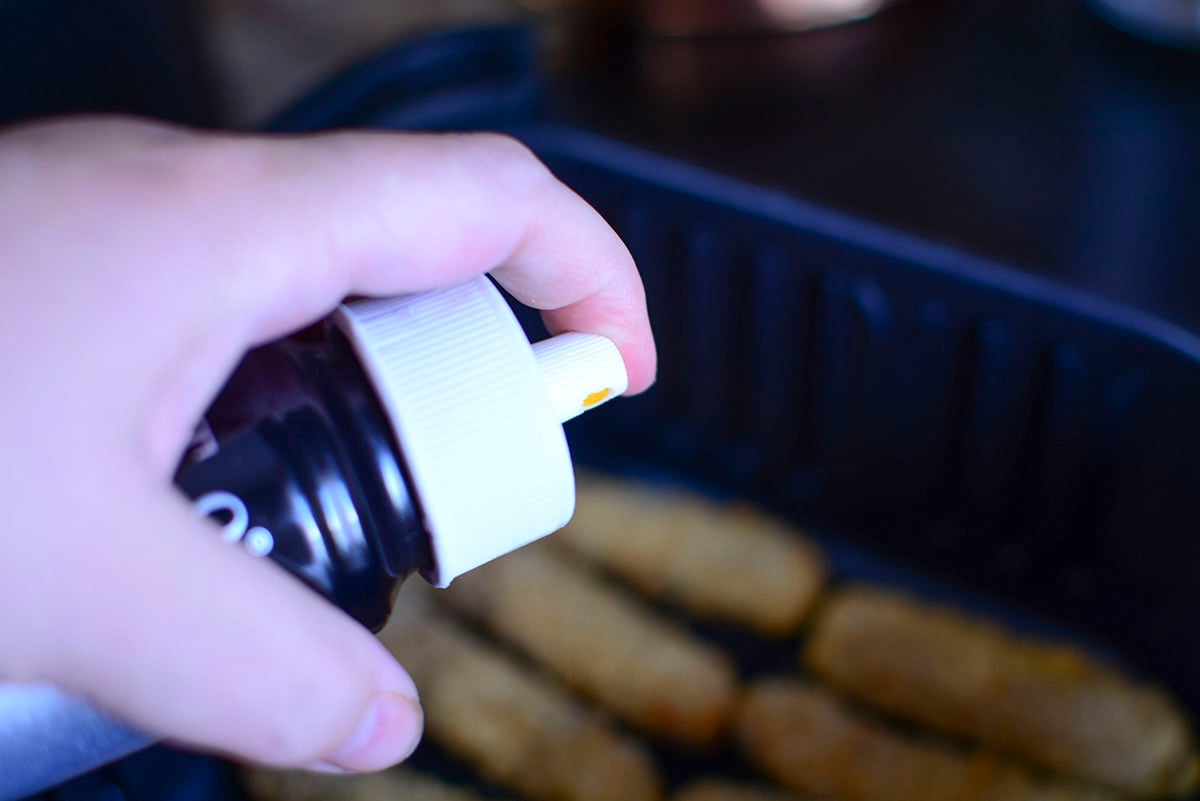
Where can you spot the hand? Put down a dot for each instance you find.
(138, 263)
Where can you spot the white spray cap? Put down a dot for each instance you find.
(478, 413)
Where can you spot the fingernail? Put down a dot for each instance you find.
(388, 733)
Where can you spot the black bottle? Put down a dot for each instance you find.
(418, 434)
(306, 470)
(411, 435)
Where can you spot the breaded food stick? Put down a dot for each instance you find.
(602, 641)
(803, 737)
(1050, 704)
(519, 729)
(727, 790)
(394, 785)
(721, 561)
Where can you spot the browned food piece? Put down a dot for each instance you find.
(726, 562)
(394, 785)
(726, 790)
(518, 728)
(1048, 703)
(602, 641)
(803, 737)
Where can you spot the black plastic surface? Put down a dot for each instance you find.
(942, 420)
(999, 431)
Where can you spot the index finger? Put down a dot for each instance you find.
(370, 213)
(579, 273)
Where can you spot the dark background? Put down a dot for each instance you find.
(1024, 130)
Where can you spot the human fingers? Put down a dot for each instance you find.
(191, 640)
(370, 213)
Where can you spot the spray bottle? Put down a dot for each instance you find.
(419, 434)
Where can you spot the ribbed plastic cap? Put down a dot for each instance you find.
(478, 416)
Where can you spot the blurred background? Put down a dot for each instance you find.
(1031, 131)
(215, 62)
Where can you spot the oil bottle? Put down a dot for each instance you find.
(418, 434)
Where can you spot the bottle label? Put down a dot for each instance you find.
(230, 510)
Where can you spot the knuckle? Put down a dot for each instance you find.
(509, 161)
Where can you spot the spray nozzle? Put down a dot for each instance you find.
(478, 412)
(580, 371)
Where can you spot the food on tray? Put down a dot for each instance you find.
(274, 785)
(728, 790)
(603, 641)
(724, 561)
(1048, 703)
(1032, 721)
(518, 728)
(805, 738)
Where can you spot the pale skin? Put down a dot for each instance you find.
(138, 262)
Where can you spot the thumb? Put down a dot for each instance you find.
(200, 643)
